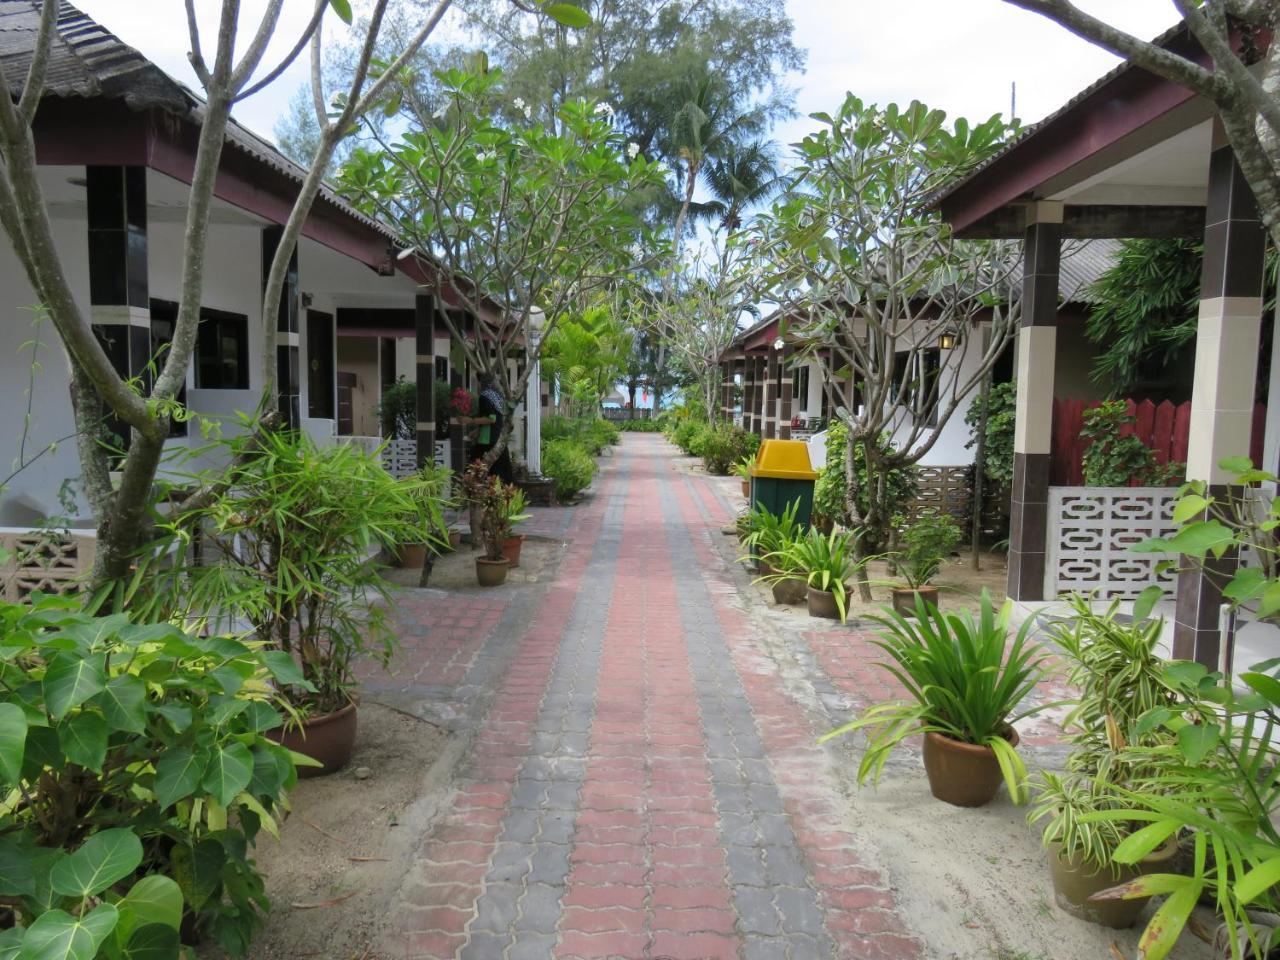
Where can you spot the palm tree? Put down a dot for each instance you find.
(744, 176)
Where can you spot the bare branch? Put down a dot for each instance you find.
(33, 88)
(272, 75)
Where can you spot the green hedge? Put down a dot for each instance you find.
(639, 426)
(569, 465)
(592, 435)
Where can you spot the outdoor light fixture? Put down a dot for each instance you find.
(946, 341)
(779, 344)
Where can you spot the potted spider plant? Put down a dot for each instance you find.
(828, 563)
(766, 532)
(1116, 667)
(964, 681)
(515, 508)
(925, 544)
(495, 529)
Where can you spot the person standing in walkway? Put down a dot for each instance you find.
(490, 421)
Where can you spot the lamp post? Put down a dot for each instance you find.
(533, 396)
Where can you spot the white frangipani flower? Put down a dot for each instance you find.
(604, 110)
(523, 107)
(633, 150)
(440, 111)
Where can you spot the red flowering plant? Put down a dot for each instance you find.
(462, 402)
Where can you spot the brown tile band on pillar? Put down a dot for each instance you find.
(288, 372)
(771, 396)
(1222, 395)
(424, 321)
(1037, 360)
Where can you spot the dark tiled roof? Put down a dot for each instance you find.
(1083, 263)
(87, 60)
(1164, 40)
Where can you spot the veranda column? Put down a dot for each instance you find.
(771, 395)
(784, 392)
(748, 393)
(1226, 369)
(533, 411)
(119, 298)
(424, 323)
(1037, 349)
(287, 338)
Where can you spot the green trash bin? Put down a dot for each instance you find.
(781, 475)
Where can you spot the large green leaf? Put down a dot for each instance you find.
(1258, 880)
(155, 899)
(178, 774)
(1196, 740)
(123, 703)
(83, 739)
(1166, 925)
(198, 870)
(10, 943)
(155, 941)
(69, 682)
(568, 14)
(343, 9)
(229, 772)
(57, 935)
(16, 876)
(105, 858)
(283, 667)
(13, 742)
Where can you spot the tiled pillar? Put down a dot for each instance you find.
(784, 392)
(424, 322)
(1037, 350)
(287, 340)
(771, 395)
(119, 298)
(1225, 374)
(749, 394)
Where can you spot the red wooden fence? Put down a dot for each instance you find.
(1164, 427)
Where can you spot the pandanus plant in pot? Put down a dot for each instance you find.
(965, 681)
(742, 470)
(924, 545)
(431, 533)
(768, 542)
(828, 564)
(286, 542)
(516, 507)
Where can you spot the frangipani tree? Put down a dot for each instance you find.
(873, 283)
(510, 217)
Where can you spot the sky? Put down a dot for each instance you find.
(959, 55)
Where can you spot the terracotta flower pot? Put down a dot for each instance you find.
(511, 549)
(491, 573)
(455, 539)
(328, 739)
(790, 591)
(1074, 882)
(962, 774)
(746, 489)
(904, 599)
(411, 556)
(822, 603)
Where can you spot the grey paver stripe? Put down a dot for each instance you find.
(517, 911)
(767, 873)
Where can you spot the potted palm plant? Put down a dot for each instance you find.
(516, 506)
(768, 542)
(964, 682)
(1116, 667)
(293, 528)
(924, 545)
(828, 563)
(431, 535)
(495, 529)
(742, 470)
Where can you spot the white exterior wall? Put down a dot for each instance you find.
(950, 450)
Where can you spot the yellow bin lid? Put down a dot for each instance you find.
(784, 459)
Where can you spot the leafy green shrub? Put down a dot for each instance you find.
(685, 432)
(569, 465)
(398, 410)
(594, 435)
(723, 446)
(831, 489)
(1113, 458)
(639, 425)
(138, 774)
(1001, 416)
(924, 545)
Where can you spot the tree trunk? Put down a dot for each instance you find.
(857, 522)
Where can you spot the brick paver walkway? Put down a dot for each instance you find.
(641, 779)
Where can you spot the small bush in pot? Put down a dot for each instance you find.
(768, 541)
(495, 528)
(964, 681)
(924, 545)
(742, 470)
(515, 507)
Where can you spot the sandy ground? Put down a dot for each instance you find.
(457, 570)
(973, 883)
(336, 866)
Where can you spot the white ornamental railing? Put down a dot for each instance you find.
(1090, 531)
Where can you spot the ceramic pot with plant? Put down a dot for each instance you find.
(925, 544)
(1116, 667)
(495, 530)
(291, 531)
(828, 564)
(965, 681)
(430, 537)
(763, 533)
(516, 507)
(742, 470)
